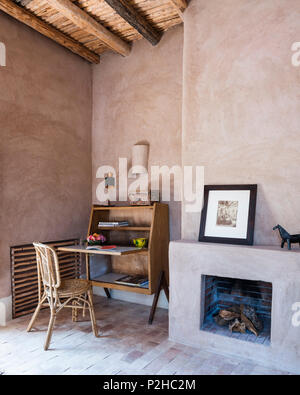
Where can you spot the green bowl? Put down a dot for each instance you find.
(140, 242)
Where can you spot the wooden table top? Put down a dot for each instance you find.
(116, 251)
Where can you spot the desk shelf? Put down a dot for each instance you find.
(128, 228)
(118, 251)
(108, 281)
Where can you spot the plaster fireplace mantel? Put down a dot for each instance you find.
(191, 262)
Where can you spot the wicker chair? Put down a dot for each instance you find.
(75, 294)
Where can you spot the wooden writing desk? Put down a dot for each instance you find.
(151, 222)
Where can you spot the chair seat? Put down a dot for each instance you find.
(73, 287)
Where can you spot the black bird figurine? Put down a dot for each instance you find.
(286, 237)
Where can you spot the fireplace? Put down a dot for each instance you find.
(275, 282)
(224, 295)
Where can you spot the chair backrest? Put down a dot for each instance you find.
(48, 266)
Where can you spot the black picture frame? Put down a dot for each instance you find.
(251, 214)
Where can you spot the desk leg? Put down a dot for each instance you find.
(107, 293)
(162, 284)
(87, 266)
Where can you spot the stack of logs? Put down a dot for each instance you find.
(239, 318)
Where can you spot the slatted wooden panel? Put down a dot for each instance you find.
(24, 274)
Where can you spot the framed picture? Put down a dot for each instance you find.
(228, 214)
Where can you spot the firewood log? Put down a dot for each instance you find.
(228, 315)
(249, 325)
(250, 313)
(247, 315)
(220, 321)
(237, 326)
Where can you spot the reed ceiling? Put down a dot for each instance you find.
(92, 27)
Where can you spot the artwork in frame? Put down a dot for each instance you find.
(228, 214)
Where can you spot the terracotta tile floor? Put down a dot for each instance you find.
(127, 346)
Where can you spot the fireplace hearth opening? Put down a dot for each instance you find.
(237, 308)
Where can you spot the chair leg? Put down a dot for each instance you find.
(50, 330)
(74, 312)
(35, 314)
(92, 313)
(83, 310)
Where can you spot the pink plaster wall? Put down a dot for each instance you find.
(240, 100)
(45, 124)
(241, 104)
(140, 98)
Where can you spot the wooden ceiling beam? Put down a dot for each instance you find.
(22, 15)
(180, 6)
(24, 3)
(85, 22)
(135, 19)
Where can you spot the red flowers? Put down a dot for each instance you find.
(96, 237)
